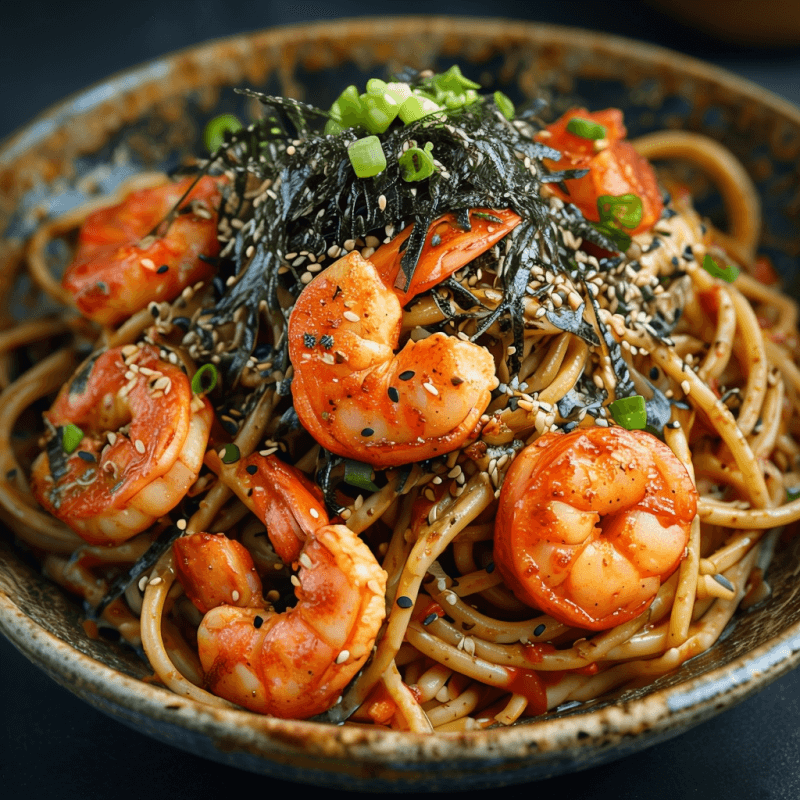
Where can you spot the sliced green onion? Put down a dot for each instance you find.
(347, 108)
(71, 437)
(358, 474)
(503, 102)
(729, 273)
(416, 164)
(379, 111)
(630, 412)
(453, 80)
(205, 379)
(332, 127)
(230, 454)
(376, 86)
(586, 129)
(214, 134)
(367, 156)
(624, 209)
(621, 239)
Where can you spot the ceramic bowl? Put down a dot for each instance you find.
(152, 115)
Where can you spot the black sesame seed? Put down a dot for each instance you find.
(539, 629)
(394, 395)
(404, 602)
(182, 322)
(430, 618)
(229, 425)
(367, 432)
(162, 269)
(251, 469)
(654, 373)
(490, 567)
(258, 622)
(407, 375)
(675, 261)
(723, 581)
(12, 473)
(154, 312)
(86, 456)
(456, 381)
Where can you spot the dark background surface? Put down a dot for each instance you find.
(53, 745)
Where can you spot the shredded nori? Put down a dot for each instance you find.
(315, 200)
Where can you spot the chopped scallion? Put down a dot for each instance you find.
(214, 134)
(503, 102)
(205, 379)
(358, 474)
(630, 412)
(417, 164)
(625, 209)
(71, 437)
(367, 157)
(729, 273)
(230, 454)
(586, 129)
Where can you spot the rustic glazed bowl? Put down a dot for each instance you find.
(150, 117)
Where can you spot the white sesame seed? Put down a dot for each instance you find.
(429, 387)
(350, 316)
(139, 445)
(686, 387)
(343, 656)
(295, 580)
(147, 263)
(155, 581)
(305, 560)
(181, 524)
(235, 595)
(314, 513)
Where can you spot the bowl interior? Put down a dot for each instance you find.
(151, 117)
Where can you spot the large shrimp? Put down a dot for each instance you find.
(292, 664)
(358, 397)
(143, 435)
(123, 261)
(591, 522)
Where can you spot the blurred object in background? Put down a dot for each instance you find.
(742, 22)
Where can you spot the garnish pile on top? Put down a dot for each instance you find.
(299, 190)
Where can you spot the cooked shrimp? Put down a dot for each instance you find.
(124, 261)
(360, 399)
(296, 663)
(447, 248)
(591, 522)
(143, 438)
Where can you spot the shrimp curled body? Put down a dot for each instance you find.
(360, 399)
(292, 664)
(591, 522)
(119, 267)
(143, 438)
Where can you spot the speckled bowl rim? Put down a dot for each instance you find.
(579, 738)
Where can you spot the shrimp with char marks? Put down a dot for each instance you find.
(591, 522)
(293, 664)
(133, 253)
(143, 437)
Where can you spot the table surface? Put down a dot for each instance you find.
(52, 744)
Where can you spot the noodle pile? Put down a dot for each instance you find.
(458, 648)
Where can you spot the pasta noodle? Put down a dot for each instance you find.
(538, 317)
